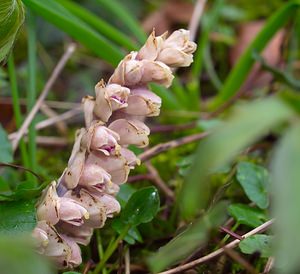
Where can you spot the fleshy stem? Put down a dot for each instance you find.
(110, 250)
(17, 110)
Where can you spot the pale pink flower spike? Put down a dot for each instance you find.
(85, 195)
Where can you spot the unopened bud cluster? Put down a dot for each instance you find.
(84, 196)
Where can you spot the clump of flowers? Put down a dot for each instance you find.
(84, 196)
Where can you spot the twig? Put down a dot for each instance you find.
(140, 177)
(171, 128)
(231, 233)
(23, 168)
(48, 122)
(62, 117)
(50, 82)
(49, 103)
(150, 153)
(197, 14)
(159, 182)
(127, 261)
(237, 257)
(52, 141)
(50, 113)
(87, 267)
(269, 265)
(219, 251)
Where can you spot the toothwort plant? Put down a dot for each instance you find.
(84, 196)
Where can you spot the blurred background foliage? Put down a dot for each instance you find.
(242, 89)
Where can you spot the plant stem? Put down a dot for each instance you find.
(31, 95)
(17, 110)
(100, 248)
(110, 250)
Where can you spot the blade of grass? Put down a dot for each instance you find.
(115, 7)
(169, 100)
(285, 193)
(208, 23)
(209, 67)
(189, 240)
(78, 29)
(242, 68)
(244, 126)
(17, 111)
(31, 92)
(98, 24)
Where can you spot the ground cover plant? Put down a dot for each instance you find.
(198, 100)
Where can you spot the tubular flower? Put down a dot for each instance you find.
(85, 194)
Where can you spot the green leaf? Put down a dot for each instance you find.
(133, 233)
(56, 14)
(117, 9)
(242, 68)
(244, 126)
(6, 153)
(285, 174)
(257, 243)
(141, 207)
(254, 179)
(247, 215)
(189, 240)
(71, 272)
(11, 19)
(126, 191)
(17, 217)
(17, 256)
(98, 24)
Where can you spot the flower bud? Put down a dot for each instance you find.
(151, 48)
(131, 72)
(130, 157)
(95, 178)
(118, 166)
(76, 162)
(110, 203)
(88, 103)
(100, 138)
(53, 208)
(131, 132)
(108, 99)
(156, 72)
(95, 208)
(75, 255)
(80, 234)
(41, 238)
(143, 102)
(63, 251)
(177, 50)
(48, 208)
(72, 212)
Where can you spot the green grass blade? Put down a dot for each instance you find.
(116, 8)
(203, 40)
(242, 68)
(78, 29)
(286, 203)
(31, 92)
(169, 101)
(11, 19)
(98, 24)
(189, 240)
(246, 125)
(17, 111)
